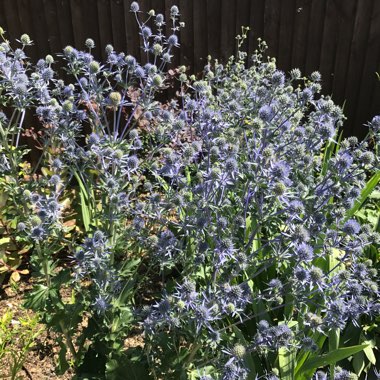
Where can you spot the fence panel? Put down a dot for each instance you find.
(340, 38)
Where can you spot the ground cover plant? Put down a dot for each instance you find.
(221, 225)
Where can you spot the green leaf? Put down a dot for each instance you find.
(286, 360)
(331, 147)
(36, 299)
(62, 365)
(330, 358)
(366, 192)
(319, 339)
(358, 363)
(4, 241)
(327, 156)
(84, 200)
(368, 351)
(195, 374)
(334, 338)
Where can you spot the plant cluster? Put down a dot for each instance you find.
(17, 336)
(219, 224)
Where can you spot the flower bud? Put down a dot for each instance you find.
(94, 67)
(174, 11)
(35, 221)
(90, 43)
(157, 80)
(183, 78)
(135, 7)
(68, 50)
(67, 106)
(25, 39)
(115, 98)
(157, 49)
(49, 59)
(109, 49)
(239, 351)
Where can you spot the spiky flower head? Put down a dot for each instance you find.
(238, 351)
(90, 43)
(25, 39)
(115, 98)
(94, 67)
(135, 6)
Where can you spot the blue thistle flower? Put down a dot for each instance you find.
(172, 40)
(304, 252)
(47, 74)
(21, 227)
(135, 6)
(37, 233)
(266, 113)
(139, 72)
(132, 163)
(146, 32)
(351, 227)
(231, 165)
(101, 304)
(57, 164)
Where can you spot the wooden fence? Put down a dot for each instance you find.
(340, 38)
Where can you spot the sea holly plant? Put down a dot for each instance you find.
(272, 271)
(218, 226)
(99, 135)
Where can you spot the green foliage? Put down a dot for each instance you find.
(17, 337)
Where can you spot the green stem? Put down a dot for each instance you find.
(45, 265)
(194, 350)
(13, 163)
(68, 340)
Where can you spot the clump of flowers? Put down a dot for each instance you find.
(219, 224)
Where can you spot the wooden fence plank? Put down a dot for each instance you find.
(77, 16)
(117, 23)
(369, 79)
(227, 33)
(129, 42)
(256, 23)
(187, 34)
(12, 18)
(242, 20)
(200, 34)
(27, 25)
(104, 25)
(332, 20)
(302, 10)
(271, 26)
(347, 10)
(287, 16)
(51, 16)
(356, 62)
(214, 26)
(315, 31)
(3, 17)
(91, 29)
(65, 22)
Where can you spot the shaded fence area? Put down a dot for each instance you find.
(340, 38)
